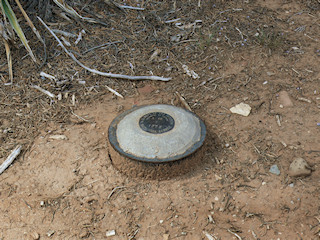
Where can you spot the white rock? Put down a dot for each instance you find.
(110, 233)
(241, 109)
(50, 233)
(58, 137)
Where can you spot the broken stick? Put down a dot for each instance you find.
(111, 75)
(10, 159)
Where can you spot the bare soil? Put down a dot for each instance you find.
(263, 53)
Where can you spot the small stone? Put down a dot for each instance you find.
(299, 168)
(165, 236)
(110, 233)
(291, 185)
(58, 137)
(284, 99)
(275, 170)
(35, 235)
(241, 109)
(270, 73)
(50, 233)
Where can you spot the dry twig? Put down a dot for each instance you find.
(10, 158)
(44, 91)
(183, 101)
(111, 75)
(114, 91)
(81, 118)
(122, 7)
(113, 191)
(235, 234)
(209, 236)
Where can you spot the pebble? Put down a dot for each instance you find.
(50, 233)
(110, 233)
(284, 99)
(58, 137)
(275, 170)
(270, 73)
(299, 168)
(165, 236)
(241, 109)
(35, 235)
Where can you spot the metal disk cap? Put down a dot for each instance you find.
(157, 133)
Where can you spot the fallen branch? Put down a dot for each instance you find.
(10, 159)
(183, 101)
(44, 91)
(114, 190)
(46, 75)
(235, 234)
(111, 75)
(130, 7)
(81, 118)
(208, 236)
(114, 91)
(122, 7)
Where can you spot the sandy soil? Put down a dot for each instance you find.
(263, 53)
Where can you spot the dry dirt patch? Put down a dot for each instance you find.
(71, 187)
